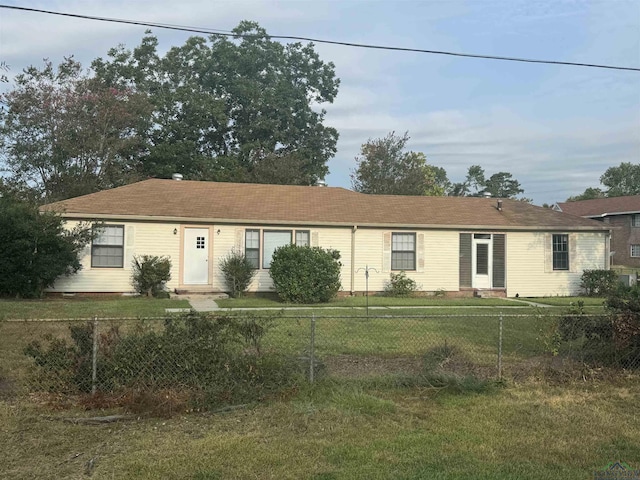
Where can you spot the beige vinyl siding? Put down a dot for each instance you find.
(437, 264)
(232, 236)
(529, 273)
(139, 239)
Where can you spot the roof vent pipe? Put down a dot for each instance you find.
(499, 205)
(176, 176)
(321, 183)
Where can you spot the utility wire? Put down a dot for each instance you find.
(316, 40)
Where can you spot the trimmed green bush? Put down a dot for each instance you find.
(238, 273)
(150, 274)
(306, 274)
(599, 283)
(400, 285)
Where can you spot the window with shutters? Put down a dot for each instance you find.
(107, 247)
(560, 249)
(403, 251)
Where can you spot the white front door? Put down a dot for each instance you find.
(196, 256)
(481, 261)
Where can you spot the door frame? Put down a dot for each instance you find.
(182, 232)
(477, 279)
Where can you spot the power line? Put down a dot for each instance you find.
(316, 40)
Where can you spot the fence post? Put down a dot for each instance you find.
(500, 350)
(312, 348)
(94, 359)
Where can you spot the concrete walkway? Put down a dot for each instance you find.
(199, 303)
(207, 303)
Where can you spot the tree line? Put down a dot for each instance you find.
(242, 109)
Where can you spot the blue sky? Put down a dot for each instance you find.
(555, 128)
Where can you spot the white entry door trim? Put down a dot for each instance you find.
(196, 256)
(481, 262)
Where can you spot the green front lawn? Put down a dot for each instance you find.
(374, 300)
(87, 307)
(568, 301)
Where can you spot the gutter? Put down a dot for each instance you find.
(412, 226)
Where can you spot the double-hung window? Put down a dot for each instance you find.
(560, 245)
(252, 247)
(635, 220)
(107, 247)
(635, 251)
(302, 238)
(403, 251)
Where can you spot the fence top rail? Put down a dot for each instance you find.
(308, 317)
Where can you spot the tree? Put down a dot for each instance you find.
(384, 168)
(500, 185)
(65, 134)
(619, 181)
(36, 248)
(223, 108)
(622, 180)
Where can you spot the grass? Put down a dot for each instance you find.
(87, 307)
(345, 431)
(382, 426)
(568, 301)
(361, 301)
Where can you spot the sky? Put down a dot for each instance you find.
(555, 128)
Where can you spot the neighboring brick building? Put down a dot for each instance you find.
(623, 214)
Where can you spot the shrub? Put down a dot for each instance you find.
(238, 273)
(150, 274)
(36, 248)
(613, 338)
(599, 283)
(216, 359)
(305, 274)
(400, 285)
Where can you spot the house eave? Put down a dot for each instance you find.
(247, 221)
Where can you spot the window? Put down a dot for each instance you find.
(272, 240)
(635, 250)
(403, 251)
(302, 238)
(635, 220)
(561, 252)
(107, 247)
(252, 247)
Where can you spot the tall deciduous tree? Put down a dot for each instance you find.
(224, 109)
(384, 167)
(501, 185)
(66, 134)
(619, 181)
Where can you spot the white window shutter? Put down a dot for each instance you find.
(130, 242)
(239, 239)
(420, 252)
(386, 251)
(315, 241)
(548, 252)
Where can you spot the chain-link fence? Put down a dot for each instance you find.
(235, 358)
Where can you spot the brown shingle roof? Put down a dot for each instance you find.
(598, 207)
(242, 202)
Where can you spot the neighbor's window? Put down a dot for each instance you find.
(561, 252)
(635, 220)
(272, 240)
(635, 250)
(252, 247)
(403, 251)
(107, 247)
(302, 238)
